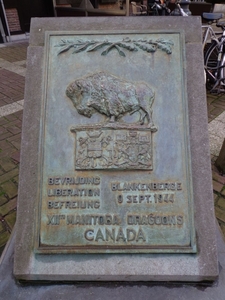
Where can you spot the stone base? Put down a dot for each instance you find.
(10, 289)
(200, 263)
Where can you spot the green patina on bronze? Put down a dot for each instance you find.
(115, 167)
(126, 44)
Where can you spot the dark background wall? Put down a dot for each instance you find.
(30, 8)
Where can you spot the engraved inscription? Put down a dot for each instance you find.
(133, 186)
(154, 219)
(73, 180)
(111, 229)
(79, 204)
(115, 235)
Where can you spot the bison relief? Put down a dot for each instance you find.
(111, 96)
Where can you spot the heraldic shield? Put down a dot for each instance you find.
(110, 148)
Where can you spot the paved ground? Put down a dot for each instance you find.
(12, 80)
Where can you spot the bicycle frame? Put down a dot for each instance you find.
(214, 56)
(208, 34)
(219, 76)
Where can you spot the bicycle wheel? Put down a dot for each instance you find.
(214, 68)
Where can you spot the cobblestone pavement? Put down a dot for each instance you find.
(12, 80)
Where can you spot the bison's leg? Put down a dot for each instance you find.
(134, 109)
(143, 114)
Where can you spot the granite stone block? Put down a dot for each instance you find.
(52, 261)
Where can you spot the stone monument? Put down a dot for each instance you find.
(115, 179)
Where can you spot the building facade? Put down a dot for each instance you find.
(15, 15)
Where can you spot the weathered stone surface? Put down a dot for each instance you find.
(111, 290)
(126, 267)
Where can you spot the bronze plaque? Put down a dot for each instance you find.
(115, 165)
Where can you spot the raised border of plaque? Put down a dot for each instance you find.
(53, 249)
(157, 214)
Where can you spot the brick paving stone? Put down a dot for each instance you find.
(17, 143)
(3, 199)
(221, 203)
(3, 121)
(14, 123)
(14, 129)
(15, 180)
(11, 117)
(10, 189)
(7, 164)
(4, 236)
(14, 137)
(7, 152)
(220, 100)
(2, 228)
(12, 86)
(5, 102)
(9, 206)
(222, 226)
(218, 177)
(217, 186)
(16, 156)
(220, 214)
(210, 107)
(220, 105)
(10, 137)
(10, 219)
(210, 118)
(17, 124)
(4, 145)
(13, 53)
(19, 115)
(223, 192)
(5, 135)
(216, 111)
(3, 130)
(210, 100)
(215, 196)
(9, 175)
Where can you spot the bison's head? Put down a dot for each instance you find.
(74, 90)
(79, 93)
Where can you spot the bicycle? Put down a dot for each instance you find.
(214, 55)
(158, 8)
